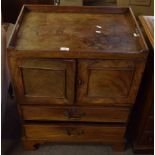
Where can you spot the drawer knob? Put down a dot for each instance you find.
(73, 132)
(74, 115)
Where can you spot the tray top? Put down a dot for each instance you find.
(77, 32)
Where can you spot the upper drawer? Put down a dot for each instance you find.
(83, 114)
(39, 81)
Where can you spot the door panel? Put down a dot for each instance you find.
(46, 81)
(108, 81)
(45, 85)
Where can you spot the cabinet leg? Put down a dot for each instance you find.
(30, 145)
(119, 147)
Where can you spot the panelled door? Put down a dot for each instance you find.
(45, 81)
(103, 82)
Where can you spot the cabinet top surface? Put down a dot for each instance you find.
(76, 31)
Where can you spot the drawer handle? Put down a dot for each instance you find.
(73, 115)
(72, 132)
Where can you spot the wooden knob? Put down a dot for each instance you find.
(74, 115)
(74, 132)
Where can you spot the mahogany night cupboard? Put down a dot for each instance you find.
(76, 73)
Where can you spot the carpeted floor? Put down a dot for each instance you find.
(50, 149)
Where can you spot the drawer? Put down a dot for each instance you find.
(147, 138)
(74, 132)
(106, 114)
(149, 124)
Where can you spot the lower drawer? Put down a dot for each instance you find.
(74, 132)
(106, 114)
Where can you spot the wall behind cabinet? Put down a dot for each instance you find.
(138, 8)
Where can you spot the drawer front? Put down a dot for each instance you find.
(113, 82)
(75, 133)
(75, 114)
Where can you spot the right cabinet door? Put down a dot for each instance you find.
(108, 82)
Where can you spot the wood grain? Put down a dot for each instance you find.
(80, 114)
(72, 133)
(82, 30)
(142, 123)
(108, 82)
(45, 81)
(148, 25)
(93, 84)
(80, 35)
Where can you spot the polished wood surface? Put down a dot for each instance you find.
(108, 81)
(143, 117)
(148, 25)
(72, 133)
(86, 32)
(82, 114)
(84, 94)
(80, 35)
(46, 81)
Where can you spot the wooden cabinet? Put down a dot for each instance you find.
(143, 122)
(74, 79)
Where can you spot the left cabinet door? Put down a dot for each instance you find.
(44, 81)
